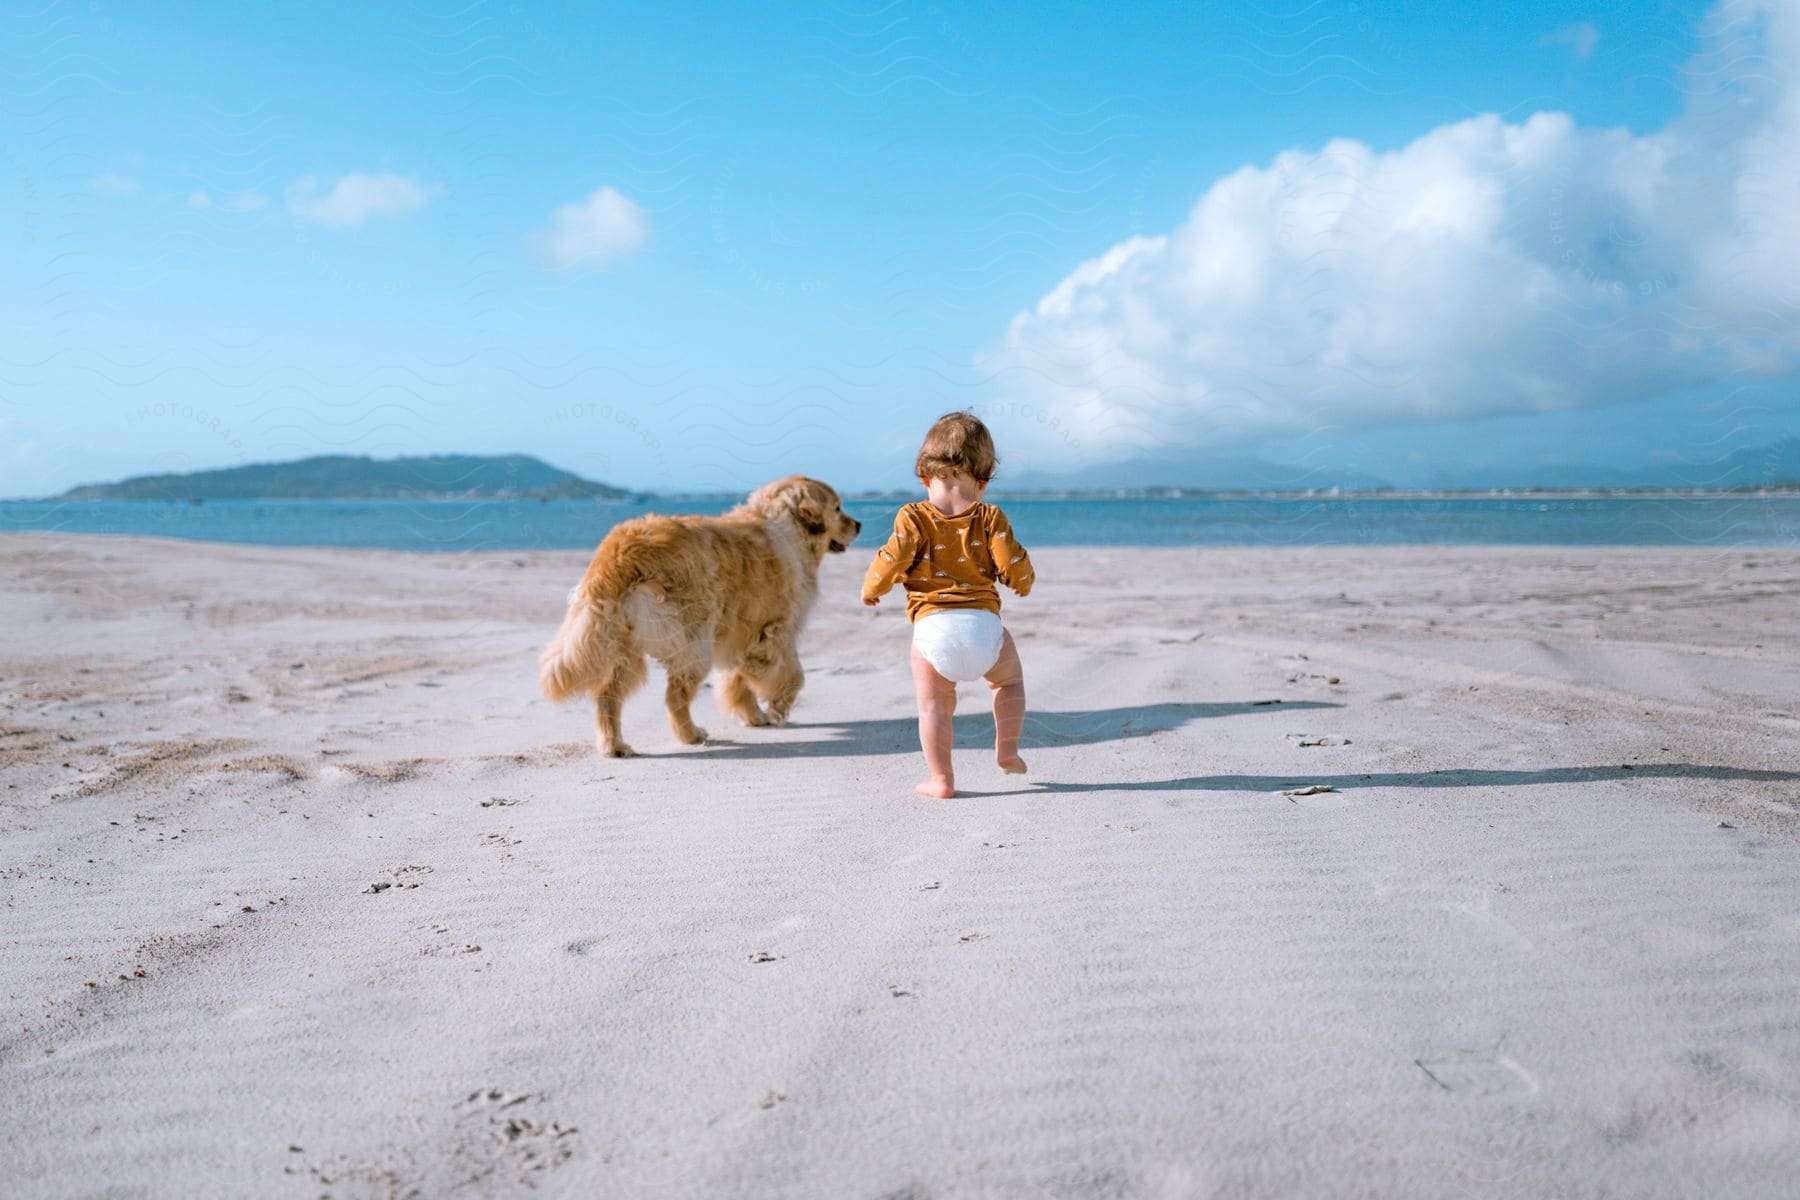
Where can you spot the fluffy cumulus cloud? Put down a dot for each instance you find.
(1485, 268)
(605, 227)
(356, 197)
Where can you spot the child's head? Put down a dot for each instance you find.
(957, 444)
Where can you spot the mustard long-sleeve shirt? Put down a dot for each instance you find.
(949, 562)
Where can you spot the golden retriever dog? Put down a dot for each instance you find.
(695, 593)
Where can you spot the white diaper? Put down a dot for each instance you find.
(962, 644)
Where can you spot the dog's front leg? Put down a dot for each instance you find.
(736, 698)
(783, 685)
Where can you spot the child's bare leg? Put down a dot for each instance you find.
(1007, 680)
(937, 704)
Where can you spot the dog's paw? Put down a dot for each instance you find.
(619, 751)
(695, 737)
(777, 718)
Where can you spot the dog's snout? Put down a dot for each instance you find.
(856, 525)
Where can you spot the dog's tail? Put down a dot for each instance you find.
(595, 635)
(567, 666)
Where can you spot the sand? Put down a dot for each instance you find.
(306, 892)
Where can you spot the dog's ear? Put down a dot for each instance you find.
(797, 495)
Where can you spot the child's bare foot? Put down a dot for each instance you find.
(937, 787)
(1012, 766)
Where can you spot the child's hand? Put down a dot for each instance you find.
(871, 601)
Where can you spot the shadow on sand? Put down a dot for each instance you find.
(1460, 778)
(975, 730)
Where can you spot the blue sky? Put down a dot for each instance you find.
(698, 247)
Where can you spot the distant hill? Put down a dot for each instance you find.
(1200, 471)
(1776, 465)
(349, 477)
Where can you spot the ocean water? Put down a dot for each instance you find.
(464, 525)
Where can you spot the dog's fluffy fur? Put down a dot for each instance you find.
(695, 593)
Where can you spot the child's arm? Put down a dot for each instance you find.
(1012, 566)
(892, 561)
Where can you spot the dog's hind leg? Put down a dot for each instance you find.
(683, 683)
(608, 699)
(687, 671)
(738, 700)
(610, 737)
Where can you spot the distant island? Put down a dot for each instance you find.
(1764, 469)
(354, 477)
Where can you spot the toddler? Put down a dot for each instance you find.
(948, 551)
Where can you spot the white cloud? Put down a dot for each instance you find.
(110, 182)
(245, 201)
(604, 227)
(1580, 38)
(1485, 268)
(357, 197)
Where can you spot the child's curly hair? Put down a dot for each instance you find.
(957, 442)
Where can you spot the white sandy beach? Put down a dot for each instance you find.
(305, 892)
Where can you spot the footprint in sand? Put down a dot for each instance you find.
(503, 843)
(1478, 1074)
(1316, 795)
(408, 876)
(493, 1135)
(531, 1144)
(449, 950)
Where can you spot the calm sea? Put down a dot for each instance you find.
(459, 525)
